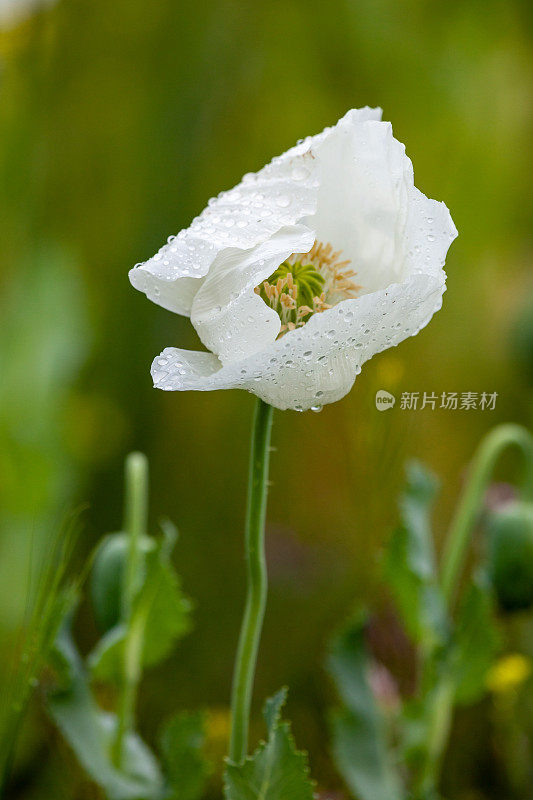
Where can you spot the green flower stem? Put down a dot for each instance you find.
(135, 523)
(245, 663)
(471, 502)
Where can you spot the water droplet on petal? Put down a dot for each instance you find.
(299, 173)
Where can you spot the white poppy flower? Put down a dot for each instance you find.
(305, 270)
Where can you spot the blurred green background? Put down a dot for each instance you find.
(118, 121)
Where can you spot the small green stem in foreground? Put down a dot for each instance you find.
(470, 504)
(245, 663)
(135, 521)
(438, 730)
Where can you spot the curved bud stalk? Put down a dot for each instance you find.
(468, 510)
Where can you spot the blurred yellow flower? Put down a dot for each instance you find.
(218, 724)
(508, 673)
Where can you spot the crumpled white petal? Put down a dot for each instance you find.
(362, 201)
(279, 196)
(231, 319)
(318, 363)
(352, 185)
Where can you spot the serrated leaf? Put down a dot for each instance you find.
(359, 743)
(160, 616)
(476, 641)
(272, 709)
(186, 767)
(276, 770)
(90, 733)
(410, 566)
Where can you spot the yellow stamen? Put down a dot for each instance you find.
(333, 274)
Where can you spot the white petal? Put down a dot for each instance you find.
(318, 363)
(429, 232)
(362, 203)
(353, 117)
(279, 196)
(231, 319)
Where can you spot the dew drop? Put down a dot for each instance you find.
(299, 173)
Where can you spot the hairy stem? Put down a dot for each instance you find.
(245, 663)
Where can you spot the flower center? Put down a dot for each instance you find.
(306, 284)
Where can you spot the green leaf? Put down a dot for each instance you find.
(90, 733)
(359, 743)
(107, 577)
(160, 616)
(186, 767)
(272, 709)
(276, 770)
(410, 565)
(476, 641)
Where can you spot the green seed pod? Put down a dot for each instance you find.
(511, 556)
(107, 577)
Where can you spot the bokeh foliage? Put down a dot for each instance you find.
(118, 121)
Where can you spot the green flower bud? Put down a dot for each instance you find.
(107, 577)
(511, 556)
